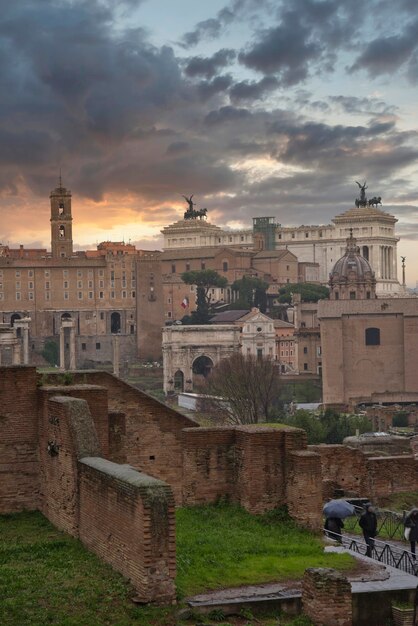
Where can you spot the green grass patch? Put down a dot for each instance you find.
(224, 546)
(400, 502)
(47, 577)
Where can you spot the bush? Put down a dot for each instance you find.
(51, 352)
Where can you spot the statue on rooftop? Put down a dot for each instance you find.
(362, 201)
(191, 213)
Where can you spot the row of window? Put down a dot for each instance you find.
(80, 295)
(66, 273)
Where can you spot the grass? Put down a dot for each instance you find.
(47, 577)
(224, 546)
(400, 501)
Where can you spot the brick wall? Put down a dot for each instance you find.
(65, 425)
(127, 518)
(96, 398)
(386, 475)
(19, 463)
(208, 464)
(326, 597)
(260, 468)
(247, 464)
(342, 468)
(153, 431)
(304, 488)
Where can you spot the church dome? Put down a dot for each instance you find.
(352, 275)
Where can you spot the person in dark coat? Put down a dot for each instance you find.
(334, 526)
(411, 522)
(368, 524)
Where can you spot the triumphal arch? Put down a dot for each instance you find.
(189, 350)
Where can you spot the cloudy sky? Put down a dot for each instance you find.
(257, 107)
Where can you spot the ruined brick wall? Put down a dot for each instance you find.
(260, 468)
(342, 468)
(386, 475)
(304, 488)
(326, 597)
(19, 463)
(96, 398)
(117, 436)
(127, 518)
(247, 464)
(66, 433)
(153, 431)
(208, 465)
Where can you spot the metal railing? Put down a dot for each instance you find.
(386, 553)
(390, 524)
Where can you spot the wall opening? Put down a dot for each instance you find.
(115, 322)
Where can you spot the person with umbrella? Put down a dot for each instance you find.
(335, 511)
(411, 528)
(368, 524)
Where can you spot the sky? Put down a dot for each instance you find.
(256, 107)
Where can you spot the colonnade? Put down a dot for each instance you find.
(386, 262)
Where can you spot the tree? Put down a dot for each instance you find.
(252, 292)
(310, 292)
(50, 352)
(247, 386)
(204, 281)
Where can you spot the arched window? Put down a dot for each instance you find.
(115, 322)
(365, 252)
(224, 266)
(61, 231)
(61, 208)
(179, 381)
(372, 336)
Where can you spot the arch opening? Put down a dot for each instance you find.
(115, 322)
(203, 366)
(179, 381)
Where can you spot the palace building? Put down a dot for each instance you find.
(81, 300)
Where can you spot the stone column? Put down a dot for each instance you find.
(62, 349)
(72, 348)
(16, 353)
(26, 345)
(116, 354)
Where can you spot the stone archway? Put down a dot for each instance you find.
(202, 366)
(195, 350)
(178, 381)
(15, 317)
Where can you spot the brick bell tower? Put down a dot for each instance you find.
(61, 223)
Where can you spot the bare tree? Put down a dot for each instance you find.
(246, 388)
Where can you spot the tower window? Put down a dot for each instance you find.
(352, 295)
(61, 231)
(372, 336)
(60, 208)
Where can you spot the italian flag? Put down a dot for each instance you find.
(185, 303)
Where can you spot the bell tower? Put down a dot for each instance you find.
(61, 223)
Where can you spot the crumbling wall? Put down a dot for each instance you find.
(19, 463)
(326, 597)
(247, 464)
(127, 518)
(153, 431)
(304, 488)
